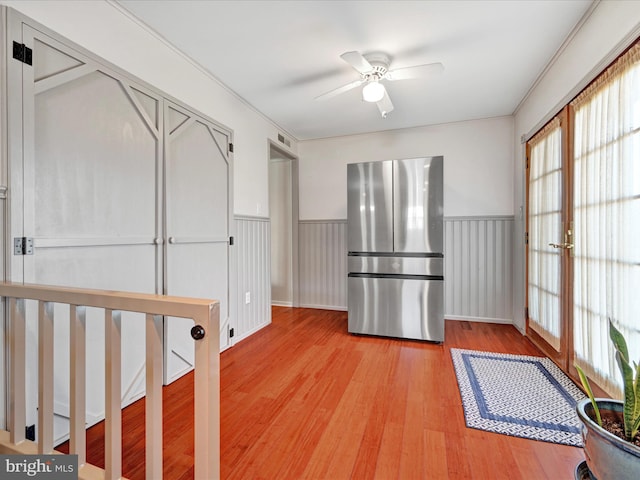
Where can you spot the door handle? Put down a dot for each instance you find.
(568, 240)
(172, 240)
(568, 246)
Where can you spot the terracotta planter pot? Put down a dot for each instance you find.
(608, 456)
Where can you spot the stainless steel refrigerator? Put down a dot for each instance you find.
(395, 243)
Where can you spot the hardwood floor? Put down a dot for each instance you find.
(302, 398)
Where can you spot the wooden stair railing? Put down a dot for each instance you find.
(205, 314)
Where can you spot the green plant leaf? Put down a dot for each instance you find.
(636, 389)
(631, 384)
(636, 410)
(587, 387)
(618, 340)
(629, 395)
(635, 428)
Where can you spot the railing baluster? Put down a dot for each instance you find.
(153, 400)
(207, 374)
(113, 387)
(207, 397)
(17, 347)
(77, 334)
(45, 377)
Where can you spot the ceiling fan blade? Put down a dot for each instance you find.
(385, 106)
(357, 61)
(417, 71)
(339, 90)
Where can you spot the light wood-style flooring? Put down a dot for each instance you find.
(303, 398)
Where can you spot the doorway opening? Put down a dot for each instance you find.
(283, 215)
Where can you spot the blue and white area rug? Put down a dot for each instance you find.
(518, 395)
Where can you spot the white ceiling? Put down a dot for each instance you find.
(280, 55)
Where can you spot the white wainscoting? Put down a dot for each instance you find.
(478, 266)
(252, 256)
(478, 256)
(323, 264)
(478, 269)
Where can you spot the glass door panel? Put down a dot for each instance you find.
(546, 241)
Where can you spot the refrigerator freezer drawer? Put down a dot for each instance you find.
(396, 264)
(404, 307)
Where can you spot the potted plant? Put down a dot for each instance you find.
(610, 427)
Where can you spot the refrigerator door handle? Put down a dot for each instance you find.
(399, 276)
(399, 254)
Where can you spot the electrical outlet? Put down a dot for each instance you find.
(247, 298)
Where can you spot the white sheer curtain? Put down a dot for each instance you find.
(545, 225)
(607, 218)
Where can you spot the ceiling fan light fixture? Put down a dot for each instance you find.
(373, 91)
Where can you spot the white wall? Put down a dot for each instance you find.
(478, 166)
(107, 31)
(611, 27)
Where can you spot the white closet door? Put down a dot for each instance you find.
(91, 173)
(197, 226)
(89, 150)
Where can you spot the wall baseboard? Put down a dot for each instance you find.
(458, 318)
(325, 307)
(281, 304)
(247, 334)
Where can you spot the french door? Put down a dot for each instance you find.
(549, 240)
(583, 206)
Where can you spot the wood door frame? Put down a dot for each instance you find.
(563, 357)
(566, 122)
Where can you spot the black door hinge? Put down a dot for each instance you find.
(23, 53)
(231, 333)
(231, 240)
(526, 238)
(526, 312)
(23, 246)
(30, 432)
(231, 147)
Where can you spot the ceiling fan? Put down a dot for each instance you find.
(373, 68)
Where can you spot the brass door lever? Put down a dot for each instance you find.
(568, 240)
(568, 246)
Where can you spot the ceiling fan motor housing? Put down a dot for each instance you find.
(380, 64)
